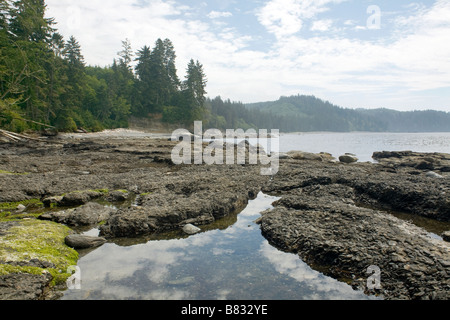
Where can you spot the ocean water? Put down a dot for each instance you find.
(364, 144)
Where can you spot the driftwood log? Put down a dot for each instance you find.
(16, 137)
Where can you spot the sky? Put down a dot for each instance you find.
(353, 53)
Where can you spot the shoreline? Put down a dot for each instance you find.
(319, 197)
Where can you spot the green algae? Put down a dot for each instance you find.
(41, 240)
(13, 173)
(7, 206)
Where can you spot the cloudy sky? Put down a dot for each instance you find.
(353, 53)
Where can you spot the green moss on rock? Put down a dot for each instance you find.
(27, 203)
(35, 239)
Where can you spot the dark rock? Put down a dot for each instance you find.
(348, 158)
(438, 162)
(77, 241)
(446, 236)
(87, 215)
(300, 155)
(79, 198)
(117, 196)
(32, 263)
(48, 202)
(24, 287)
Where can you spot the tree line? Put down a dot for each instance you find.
(44, 78)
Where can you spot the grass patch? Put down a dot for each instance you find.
(121, 190)
(101, 190)
(35, 203)
(13, 173)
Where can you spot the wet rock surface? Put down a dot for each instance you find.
(329, 215)
(334, 215)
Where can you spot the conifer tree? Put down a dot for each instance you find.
(143, 89)
(195, 87)
(28, 21)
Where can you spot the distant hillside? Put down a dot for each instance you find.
(411, 121)
(308, 113)
(313, 114)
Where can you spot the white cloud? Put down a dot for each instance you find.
(322, 25)
(286, 17)
(219, 14)
(412, 57)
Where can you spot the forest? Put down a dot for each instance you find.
(44, 79)
(45, 82)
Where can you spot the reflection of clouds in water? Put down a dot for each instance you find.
(202, 239)
(322, 287)
(255, 207)
(219, 251)
(251, 213)
(111, 263)
(218, 264)
(223, 293)
(118, 292)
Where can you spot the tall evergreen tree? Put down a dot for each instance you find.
(195, 89)
(70, 115)
(122, 81)
(28, 34)
(143, 89)
(170, 66)
(4, 9)
(28, 21)
(72, 52)
(126, 55)
(159, 80)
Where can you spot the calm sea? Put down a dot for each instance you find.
(364, 144)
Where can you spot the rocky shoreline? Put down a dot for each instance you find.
(333, 214)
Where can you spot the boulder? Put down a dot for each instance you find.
(79, 198)
(446, 236)
(348, 158)
(300, 155)
(48, 202)
(117, 196)
(78, 241)
(191, 229)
